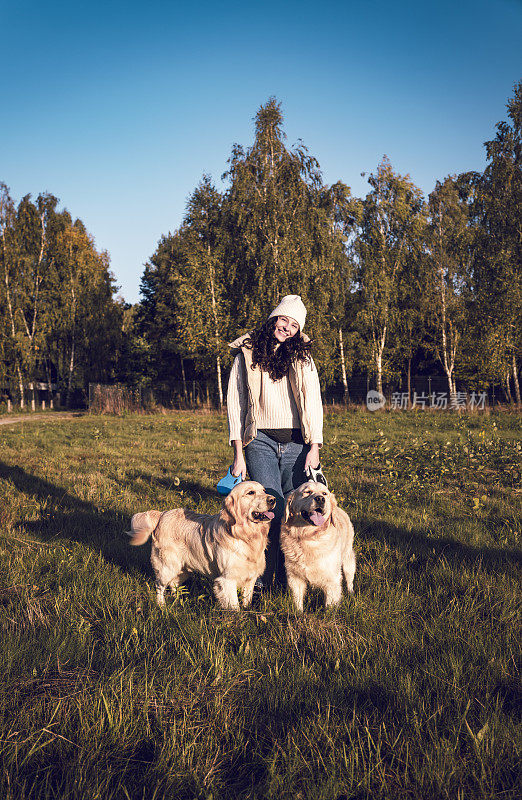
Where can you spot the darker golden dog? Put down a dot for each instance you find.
(316, 539)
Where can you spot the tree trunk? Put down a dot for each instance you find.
(216, 327)
(184, 379)
(343, 366)
(70, 378)
(219, 383)
(37, 280)
(12, 325)
(506, 387)
(447, 362)
(378, 359)
(31, 328)
(409, 382)
(379, 372)
(49, 385)
(449, 343)
(451, 387)
(20, 386)
(516, 382)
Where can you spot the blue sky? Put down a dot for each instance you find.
(118, 108)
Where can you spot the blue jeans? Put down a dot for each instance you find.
(280, 469)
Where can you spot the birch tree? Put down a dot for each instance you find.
(9, 290)
(25, 244)
(205, 292)
(392, 222)
(450, 260)
(81, 304)
(34, 223)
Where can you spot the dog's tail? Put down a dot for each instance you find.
(143, 524)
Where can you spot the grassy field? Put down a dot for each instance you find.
(409, 689)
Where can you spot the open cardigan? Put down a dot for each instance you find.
(255, 401)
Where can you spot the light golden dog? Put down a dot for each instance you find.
(316, 539)
(228, 547)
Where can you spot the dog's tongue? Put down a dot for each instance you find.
(269, 514)
(316, 518)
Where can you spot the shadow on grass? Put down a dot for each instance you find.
(65, 516)
(427, 549)
(194, 490)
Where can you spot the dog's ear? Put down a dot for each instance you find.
(289, 508)
(229, 510)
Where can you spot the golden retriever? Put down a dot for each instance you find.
(317, 539)
(228, 547)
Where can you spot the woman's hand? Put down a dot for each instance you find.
(239, 465)
(312, 457)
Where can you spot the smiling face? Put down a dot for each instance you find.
(249, 501)
(285, 328)
(310, 504)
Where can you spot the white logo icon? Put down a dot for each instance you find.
(375, 400)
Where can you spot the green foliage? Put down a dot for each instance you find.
(397, 279)
(286, 234)
(388, 244)
(184, 312)
(450, 242)
(59, 320)
(497, 265)
(276, 230)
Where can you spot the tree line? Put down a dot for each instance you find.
(391, 281)
(394, 282)
(60, 324)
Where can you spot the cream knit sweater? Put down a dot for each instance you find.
(277, 406)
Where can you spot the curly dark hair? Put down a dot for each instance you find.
(276, 362)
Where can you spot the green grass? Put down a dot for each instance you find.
(409, 689)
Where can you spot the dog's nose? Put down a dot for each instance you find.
(319, 499)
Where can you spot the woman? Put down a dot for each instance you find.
(275, 410)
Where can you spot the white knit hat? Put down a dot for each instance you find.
(291, 306)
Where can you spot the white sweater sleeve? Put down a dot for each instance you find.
(314, 403)
(235, 412)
